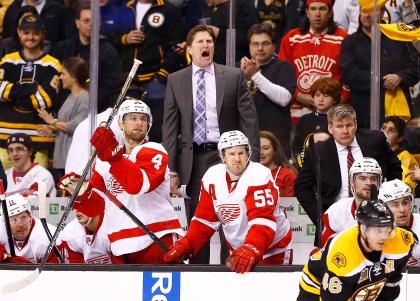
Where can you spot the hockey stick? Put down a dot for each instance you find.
(42, 199)
(318, 238)
(15, 286)
(138, 222)
(6, 220)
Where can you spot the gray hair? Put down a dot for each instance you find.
(341, 111)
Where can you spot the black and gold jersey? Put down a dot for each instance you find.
(19, 113)
(342, 270)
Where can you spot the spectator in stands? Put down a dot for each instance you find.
(336, 155)
(271, 82)
(74, 77)
(346, 13)
(109, 63)
(398, 71)
(147, 30)
(272, 12)
(215, 13)
(272, 156)
(29, 81)
(4, 5)
(24, 175)
(326, 93)
(394, 128)
(314, 50)
(12, 43)
(29, 237)
(52, 14)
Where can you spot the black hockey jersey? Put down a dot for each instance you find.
(342, 270)
(19, 115)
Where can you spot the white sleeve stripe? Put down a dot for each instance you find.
(41, 101)
(264, 222)
(309, 281)
(146, 184)
(3, 87)
(213, 225)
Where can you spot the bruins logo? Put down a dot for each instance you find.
(339, 260)
(406, 237)
(405, 28)
(369, 292)
(156, 19)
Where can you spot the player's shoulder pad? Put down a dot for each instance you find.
(344, 256)
(401, 243)
(257, 174)
(214, 172)
(72, 230)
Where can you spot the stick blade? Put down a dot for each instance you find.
(20, 284)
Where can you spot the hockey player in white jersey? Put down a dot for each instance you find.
(137, 175)
(363, 174)
(24, 175)
(241, 197)
(29, 237)
(84, 239)
(399, 199)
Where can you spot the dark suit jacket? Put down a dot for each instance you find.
(235, 110)
(372, 144)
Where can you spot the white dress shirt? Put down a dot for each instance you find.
(212, 122)
(342, 158)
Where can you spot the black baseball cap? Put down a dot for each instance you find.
(20, 138)
(31, 21)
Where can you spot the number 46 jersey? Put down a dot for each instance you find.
(342, 270)
(247, 210)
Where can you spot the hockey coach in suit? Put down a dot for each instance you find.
(203, 101)
(336, 156)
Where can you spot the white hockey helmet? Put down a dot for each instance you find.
(393, 190)
(231, 139)
(16, 204)
(367, 165)
(133, 105)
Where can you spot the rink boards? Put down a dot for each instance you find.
(186, 283)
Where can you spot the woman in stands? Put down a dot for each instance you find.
(272, 156)
(74, 77)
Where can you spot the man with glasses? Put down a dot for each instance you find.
(29, 237)
(364, 262)
(399, 199)
(24, 175)
(272, 83)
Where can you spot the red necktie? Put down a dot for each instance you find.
(350, 161)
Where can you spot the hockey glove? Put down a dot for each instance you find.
(106, 145)
(243, 259)
(68, 183)
(20, 90)
(179, 251)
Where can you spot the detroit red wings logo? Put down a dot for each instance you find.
(113, 186)
(228, 213)
(307, 78)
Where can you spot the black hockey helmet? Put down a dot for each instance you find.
(374, 213)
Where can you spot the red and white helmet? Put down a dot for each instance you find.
(393, 190)
(16, 204)
(133, 105)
